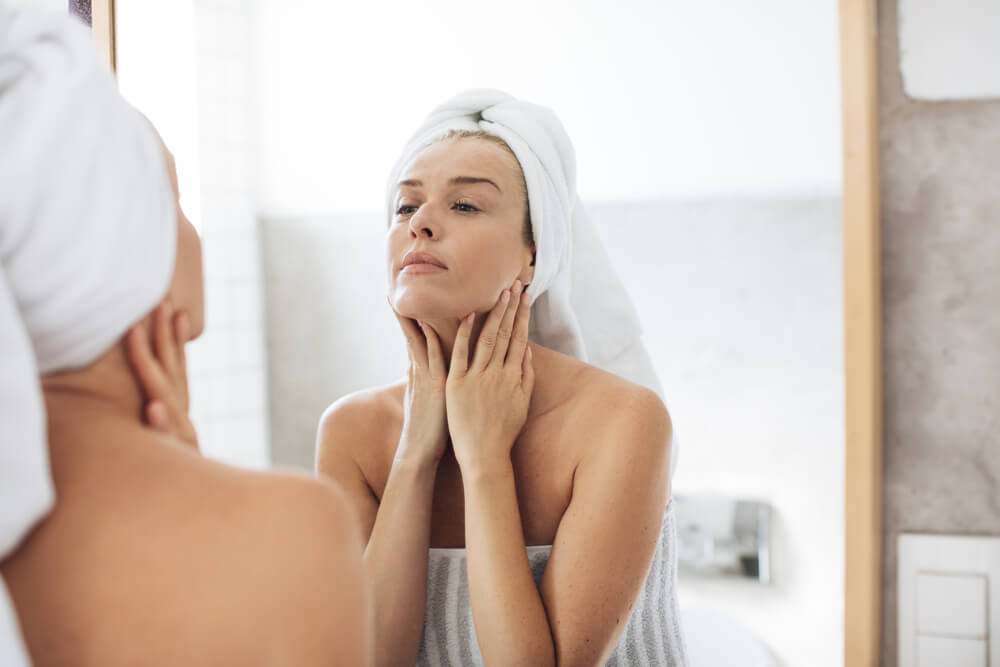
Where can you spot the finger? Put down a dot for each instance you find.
(507, 324)
(182, 332)
(157, 416)
(415, 342)
(140, 355)
(435, 357)
(528, 372)
(163, 340)
(519, 341)
(460, 350)
(488, 336)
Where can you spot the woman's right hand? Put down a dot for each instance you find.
(160, 367)
(425, 423)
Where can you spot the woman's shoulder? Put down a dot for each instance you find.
(248, 522)
(363, 426)
(368, 410)
(588, 388)
(600, 407)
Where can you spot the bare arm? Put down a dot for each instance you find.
(511, 622)
(608, 535)
(487, 406)
(601, 553)
(396, 531)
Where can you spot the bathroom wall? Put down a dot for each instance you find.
(188, 70)
(698, 99)
(941, 290)
(229, 397)
(741, 304)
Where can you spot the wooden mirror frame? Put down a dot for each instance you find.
(862, 319)
(863, 508)
(103, 16)
(100, 14)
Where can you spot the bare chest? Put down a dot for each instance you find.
(544, 458)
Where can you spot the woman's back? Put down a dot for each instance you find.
(155, 555)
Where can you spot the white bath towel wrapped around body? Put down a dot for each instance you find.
(651, 638)
(87, 240)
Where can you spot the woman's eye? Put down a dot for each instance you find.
(404, 210)
(465, 207)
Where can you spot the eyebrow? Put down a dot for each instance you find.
(457, 180)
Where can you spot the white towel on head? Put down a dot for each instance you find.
(579, 305)
(88, 233)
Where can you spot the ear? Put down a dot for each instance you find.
(528, 269)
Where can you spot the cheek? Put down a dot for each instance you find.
(188, 278)
(500, 253)
(190, 253)
(395, 243)
(494, 263)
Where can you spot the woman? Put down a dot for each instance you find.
(494, 447)
(151, 554)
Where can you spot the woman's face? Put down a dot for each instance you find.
(187, 287)
(455, 239)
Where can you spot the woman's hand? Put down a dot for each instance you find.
(161, 369)
(425, 425)
(488, 398)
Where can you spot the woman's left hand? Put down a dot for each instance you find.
(487, 399)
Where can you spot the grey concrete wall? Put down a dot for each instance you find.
(941, 289)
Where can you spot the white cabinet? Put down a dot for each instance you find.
(947, 588)
(949, 49)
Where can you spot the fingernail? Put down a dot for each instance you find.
(184, 326)
(470, 316)
(517, 285)
(506, 295)
(524, 297)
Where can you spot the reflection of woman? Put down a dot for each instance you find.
(150, 554)
(494, 448)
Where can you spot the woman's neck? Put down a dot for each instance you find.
(447, 332)
(545, 394)
(107, 388)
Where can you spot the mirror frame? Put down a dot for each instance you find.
(863, 476)
(863, 509)
(102, 13)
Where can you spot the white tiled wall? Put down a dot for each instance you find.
(227, 364)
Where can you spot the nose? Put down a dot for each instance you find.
(423, 224)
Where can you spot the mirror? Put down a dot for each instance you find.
(709, 154)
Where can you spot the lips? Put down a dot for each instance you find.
(422, 258)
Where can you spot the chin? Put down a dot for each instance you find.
(420, 305)
(198, 327)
